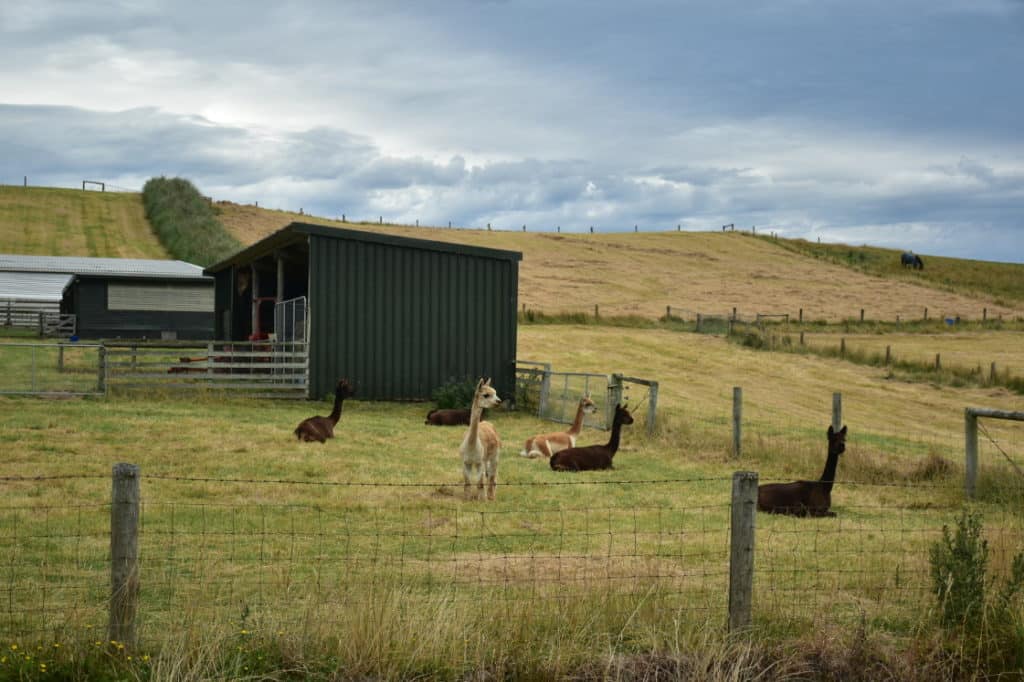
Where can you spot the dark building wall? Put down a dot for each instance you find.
(96, 321)
(400, 321)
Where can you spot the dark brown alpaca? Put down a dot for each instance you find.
(591, 457)
(805, 498)
(449, 417)
(319, 428)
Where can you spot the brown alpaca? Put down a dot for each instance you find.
(319, 428)
(481, 446)
(805, 498)
(547, 444)
(593, 457)
(451, 417)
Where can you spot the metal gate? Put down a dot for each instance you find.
(290, 320)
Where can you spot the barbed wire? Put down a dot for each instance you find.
(446, 484)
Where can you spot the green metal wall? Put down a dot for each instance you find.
(399, 321)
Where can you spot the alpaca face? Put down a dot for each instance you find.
(623, 415)
(486, 396)
(588, 405)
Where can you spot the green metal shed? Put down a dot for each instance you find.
(396, 316)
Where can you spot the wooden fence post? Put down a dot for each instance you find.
(992, 373)
(842, 347)
(614, 397)
(698, 322)
(545, 392)
(926, 312)
(737, 421)
(741, 549)
(837, 411)
(124, 553)
(60, 357)
(984, 314)
(40, 325)
(888, 355)
(801, 338)
(970, 452)
(597, 313)
(938, 361)
(801, 315)
(101, 370)
(861, 314)
(652, 406)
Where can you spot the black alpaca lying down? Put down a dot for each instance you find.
(319, 429)
(591, 457)
(805, 498)
(447, 417)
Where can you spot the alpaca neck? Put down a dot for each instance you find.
(577, 423)
(828, 476)
(475, 413)
(613, 442)
(336, 412)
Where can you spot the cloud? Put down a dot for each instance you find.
(894, 120)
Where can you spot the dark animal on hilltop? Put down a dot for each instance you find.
(319, 428)
(911, 260)
(590, 457)
(447, 417)
(805, 498)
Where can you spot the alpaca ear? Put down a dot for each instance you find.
(488, 382)
(842, 431)
(831, 432)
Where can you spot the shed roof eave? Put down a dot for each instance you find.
(296, 232)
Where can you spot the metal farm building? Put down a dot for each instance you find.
(396, 316)
(106, 298)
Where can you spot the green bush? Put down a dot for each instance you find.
(185, 222)
(988, 622)
(455, 394)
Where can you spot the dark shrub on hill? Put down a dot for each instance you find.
(185, 222)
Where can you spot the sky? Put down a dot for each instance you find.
(895, 123)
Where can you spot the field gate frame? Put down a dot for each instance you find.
(614, 385)
(971, 415)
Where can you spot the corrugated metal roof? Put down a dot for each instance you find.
(111, 267)
(300, 231)
(34, 286)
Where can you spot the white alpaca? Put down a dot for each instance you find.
(481, 446)
(547, 444)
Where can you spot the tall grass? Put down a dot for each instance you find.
(185, 223)
(1004, 281)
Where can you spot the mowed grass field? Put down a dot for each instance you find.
(38, 221)
(348, 545)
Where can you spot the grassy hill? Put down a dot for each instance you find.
(706, 272)
(39, 221)
(623, 274)
(1005, 281)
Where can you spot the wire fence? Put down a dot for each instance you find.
(292, 565)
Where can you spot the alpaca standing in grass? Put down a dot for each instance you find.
(805, 498)
(481, 446)
(592, 457)
(547, 444)
(319, 428)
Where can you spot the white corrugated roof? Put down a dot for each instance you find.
(47, 287)
(114, 267)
